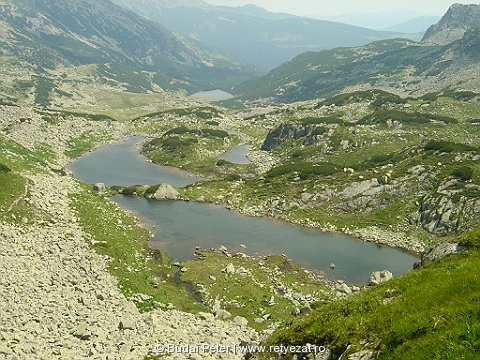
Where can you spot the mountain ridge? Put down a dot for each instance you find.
(71, 33)
(254, 35)
(400, 66)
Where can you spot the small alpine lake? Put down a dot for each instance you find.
(180, 226)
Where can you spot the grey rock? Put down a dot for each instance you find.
(305, 309)
(82, 332)
(229, 269)
(343, 289)
(127, 323)
(204, 316)
(99, 187)
(379, 277)
(441, 250)
(165, 192)
(361, 355)
(222, 314)
(240, 321)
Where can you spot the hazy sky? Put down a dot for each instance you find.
(336, 7)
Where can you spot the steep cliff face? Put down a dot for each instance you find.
(454, 24)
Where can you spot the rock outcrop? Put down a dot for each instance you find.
(165, 192)
(379, 277)
(441, 250)
(453, 25)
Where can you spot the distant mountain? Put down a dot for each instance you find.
(454, 24)
(377, 20)
(399, 65)
(252, 34)
(49, 33)
(417, 25)
(257, 11)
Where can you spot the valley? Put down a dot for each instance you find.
(387, 154)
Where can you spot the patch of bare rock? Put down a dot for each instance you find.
(57, 300)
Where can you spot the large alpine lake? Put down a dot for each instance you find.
(180, 227)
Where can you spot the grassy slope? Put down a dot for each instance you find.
(429, 313)
(138, 269)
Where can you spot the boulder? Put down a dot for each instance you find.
(343, 289)
(99, 187)
(127, 323)
(82, 332)
(165, 192)
(379, 277)
(222, 314)
(230, 269)
(240, 321)
(441, 250)
(204, 316)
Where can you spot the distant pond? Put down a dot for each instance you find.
(213, 94)
(181, 226)
(237, 155)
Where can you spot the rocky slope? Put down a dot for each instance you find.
(57, 298)
(454, 24)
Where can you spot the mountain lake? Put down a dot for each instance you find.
(181, 226)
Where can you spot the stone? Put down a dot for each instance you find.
(82, 332)
(204, 316)
(165, 192)
(99, 187)
(343, 289)
(229, 269)
(379, 277)
(240, 321)
(441, 250)
(216, 306)
(305, 309)
(361, 355)
(222, 314)
(127, 323)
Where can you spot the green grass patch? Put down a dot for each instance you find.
(249, 290)
(448, 146)
(429, 313)
(139, 270)
(84, 143)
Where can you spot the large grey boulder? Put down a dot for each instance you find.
(379, 277)
(99, 187)
(165, 192)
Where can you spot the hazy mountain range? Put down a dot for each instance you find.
(447, 57)
(404, 21)
(42, 41)
(52, 33)
(250, 33)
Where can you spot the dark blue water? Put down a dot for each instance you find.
(181, 226)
